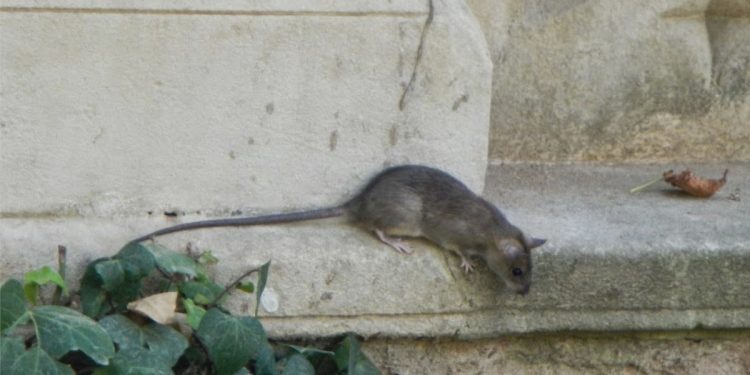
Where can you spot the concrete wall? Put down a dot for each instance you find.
(195, 106)
(610, 80)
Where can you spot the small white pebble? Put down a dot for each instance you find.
(269, 300)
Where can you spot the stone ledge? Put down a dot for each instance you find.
(656, 260)
(257, 7)
(496, 322)
(692, 352)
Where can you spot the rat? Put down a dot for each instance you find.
(419, 201)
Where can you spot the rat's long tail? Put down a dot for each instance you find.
(256, 220)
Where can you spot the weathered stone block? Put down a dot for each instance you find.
(122, 109)
(688, 353)
(619, 81)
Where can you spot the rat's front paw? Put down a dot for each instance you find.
(467, 265)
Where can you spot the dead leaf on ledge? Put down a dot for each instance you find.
(159, 307)
(694, 185)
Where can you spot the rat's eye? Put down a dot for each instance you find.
(517, 272)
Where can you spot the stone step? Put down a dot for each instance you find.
(614, 261)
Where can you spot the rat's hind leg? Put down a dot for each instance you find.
(395, 243)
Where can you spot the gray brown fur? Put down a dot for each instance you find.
(419, 201)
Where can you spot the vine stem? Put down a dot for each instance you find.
(61, 266)
(233, 285)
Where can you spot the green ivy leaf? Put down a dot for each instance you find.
(103, 279)
(10, 349)
(137, 260)
(173, 262)
(194, 313)
(127, 292)
(323, 360)
(37, 361)
(349, 358)
(32, 280)
(93, 296)
(112, 274)
(298, 364)
(118, 278)
(231, 341)
(134, 366)
(207, 257)
(262, 278)
(353, 354)
(202, 292)
(12, 304)
(30, 291)
(265, 360)
(61, 330)
(151, 348)
(247, 287)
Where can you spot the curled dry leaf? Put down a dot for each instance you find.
(694, 185)
(159, 307)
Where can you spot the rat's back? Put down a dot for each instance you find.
(400, 199)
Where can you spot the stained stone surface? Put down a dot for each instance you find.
(614, 81)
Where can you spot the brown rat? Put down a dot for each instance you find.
(419, 201)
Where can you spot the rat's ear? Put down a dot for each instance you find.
(532, 242)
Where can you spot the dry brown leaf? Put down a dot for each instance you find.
(159, 307)
(694, 185)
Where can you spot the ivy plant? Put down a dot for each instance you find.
(180, 327)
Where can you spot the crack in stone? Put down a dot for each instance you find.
(420, 48)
